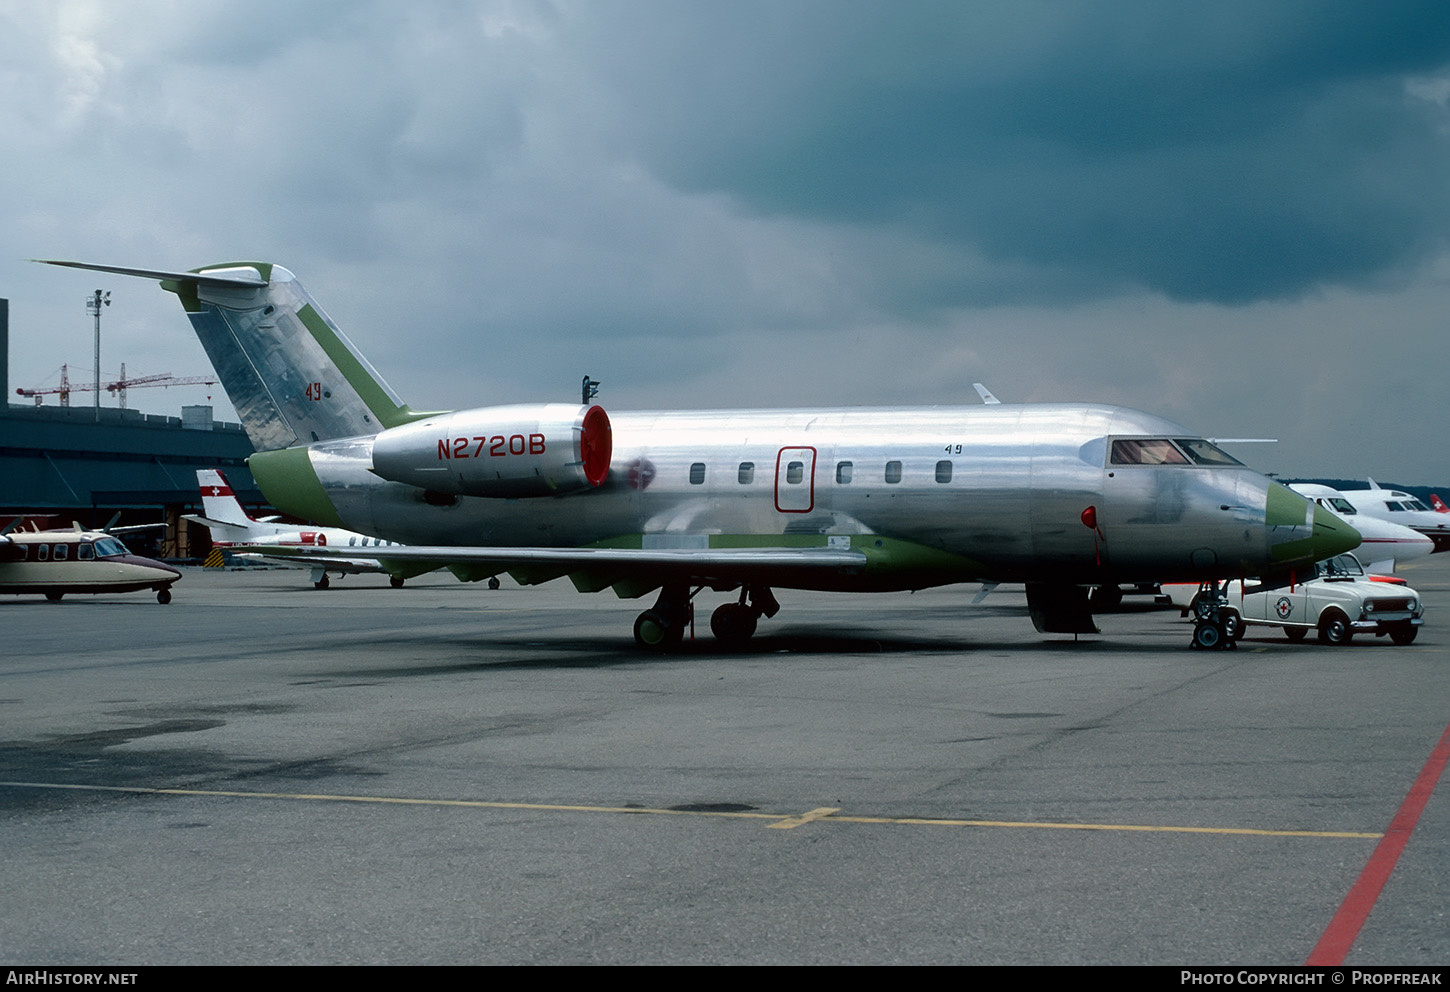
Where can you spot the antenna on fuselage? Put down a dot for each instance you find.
(588, 390)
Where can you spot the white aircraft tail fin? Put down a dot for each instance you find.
(218, 502)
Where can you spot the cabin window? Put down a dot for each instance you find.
(697, 474)
(1147, 451)
(352, 542)
(747, 473)
(85, 552)
(843, 473)
(62, 552)
(893, 472)
(944, 471)
(42, 552)
(795, 472)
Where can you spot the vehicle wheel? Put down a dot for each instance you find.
(1233, 625)
(1295, 634)
(163, 596)
(654, 632)
(1334, 629)
(733, 624)
(1207, 636)
(54, 596)
(493, 582)
(322, 583)
(1403, 633)
(396, 581)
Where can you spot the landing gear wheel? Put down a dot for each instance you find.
(54, 597)
(653, 631)
(396, 582)
(493, 582)
(1208, 636)
(163, 596)
(1295, 634)
(1335, 629)
(1105, 599)
(321, 583)
(733, 624)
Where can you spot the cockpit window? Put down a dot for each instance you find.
(1344, 506)
(110, 546)
(1206, 453)
(1147, 451)
(1415, 504)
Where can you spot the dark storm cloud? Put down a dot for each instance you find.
(1224, 152)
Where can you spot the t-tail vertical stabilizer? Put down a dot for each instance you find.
(291, 374)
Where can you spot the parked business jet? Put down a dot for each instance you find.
(1058, 496)
(1402, 508)
(1383, 543)
(235, 530)
(53, 563)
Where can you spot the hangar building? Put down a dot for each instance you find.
(77, 463)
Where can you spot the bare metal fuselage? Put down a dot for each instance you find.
(933, 495)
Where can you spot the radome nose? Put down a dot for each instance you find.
(1331, 536)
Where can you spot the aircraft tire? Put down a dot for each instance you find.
(396, 581)
(733, 624)
(493, 582)
(1105, 599)
(654, 632)
(1295, 634)
(1334, 629)
(1208, 636)
(163, 596)
(54, 596)
(322, 583)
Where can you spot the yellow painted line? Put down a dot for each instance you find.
(780, 821)
(791, 822)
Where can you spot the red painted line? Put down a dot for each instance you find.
(1339, 936)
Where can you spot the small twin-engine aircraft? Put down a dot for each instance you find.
(1058, 496)
(234, 529)
(55, 562)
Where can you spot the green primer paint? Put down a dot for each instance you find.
(287, 479)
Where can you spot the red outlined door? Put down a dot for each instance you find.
(795, 480)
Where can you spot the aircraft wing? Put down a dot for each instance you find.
(353, 566)
(596, 568)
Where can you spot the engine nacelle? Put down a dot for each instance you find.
(530, 449)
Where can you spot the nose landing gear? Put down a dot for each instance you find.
(1217, 625)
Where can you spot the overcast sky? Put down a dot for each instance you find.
(1233, 214)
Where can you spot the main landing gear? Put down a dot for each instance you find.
(1217, 626)
(662, 626)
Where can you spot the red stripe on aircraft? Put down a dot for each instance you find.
(1339, 936)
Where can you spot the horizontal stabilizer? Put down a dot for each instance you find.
(224, 277)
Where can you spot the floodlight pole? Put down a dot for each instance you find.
(94, 303)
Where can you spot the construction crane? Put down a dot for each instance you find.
(116, 387)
